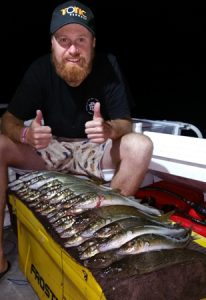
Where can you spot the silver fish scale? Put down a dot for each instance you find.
(69, 201)
(107, 231)
(40, 207)
(50, 192)
(16, 187)
(57, 215)
(49, 209)
(25, 184)
(45, 181)
(67, 224)
(62, 220)
(30, 175)
(29, 195)
(32, 183)
(79, 225)
(24, 178)
(60, 206)
(34, 180)
(87, 244)
(63, 203)
(36, 203)
(80, 222)
(62, 194)
(81, 206)
(50, 185)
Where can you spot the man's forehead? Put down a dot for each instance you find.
(73, 29)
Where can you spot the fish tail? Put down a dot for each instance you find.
(166, 216)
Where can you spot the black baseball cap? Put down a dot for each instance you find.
(72, 12)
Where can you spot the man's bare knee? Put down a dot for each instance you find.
(135, 144)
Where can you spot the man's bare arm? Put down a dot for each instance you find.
(98, 130)
(36, 135)
(118, 128)
(11, 126)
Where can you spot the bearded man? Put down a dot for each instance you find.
(79, 104)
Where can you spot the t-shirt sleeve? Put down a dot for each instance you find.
(29, 94)
(119, 94)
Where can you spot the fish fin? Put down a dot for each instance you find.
(166, 216)
(110, 189)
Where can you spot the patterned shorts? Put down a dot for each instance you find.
(80, 157)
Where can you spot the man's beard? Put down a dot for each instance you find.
(73, 74)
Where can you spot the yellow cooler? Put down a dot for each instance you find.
(52, 272)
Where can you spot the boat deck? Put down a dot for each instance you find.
(14, 285)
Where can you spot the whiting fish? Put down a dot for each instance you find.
(25, 177)
(87, 244)
(29, 195)
(106, 199)
(63, 223)
(117, 225)
(152, 242)
(120, 211)
(33, 183)
(125, 235)
(143, 243)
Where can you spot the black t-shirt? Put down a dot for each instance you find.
(66, 109)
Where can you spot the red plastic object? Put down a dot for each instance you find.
(166, 196)
(198, 228)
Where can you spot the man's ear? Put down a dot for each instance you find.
(94, 42)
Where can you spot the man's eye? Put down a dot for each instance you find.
(81, 40)
(63, 41)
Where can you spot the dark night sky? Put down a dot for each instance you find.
(160, 49)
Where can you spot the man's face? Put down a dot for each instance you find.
(72, 53)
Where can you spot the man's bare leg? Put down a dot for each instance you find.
(19, 156)
(132, 154)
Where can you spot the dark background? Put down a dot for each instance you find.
(160, 49)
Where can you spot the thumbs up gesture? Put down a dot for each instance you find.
(97, 113)
(38, 135)
(38, 121)
(97, 129)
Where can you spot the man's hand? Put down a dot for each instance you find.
(97, 130)
(38, 135)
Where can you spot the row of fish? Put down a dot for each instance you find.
(99, 223)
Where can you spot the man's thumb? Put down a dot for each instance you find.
(97, 113)
(39, 118)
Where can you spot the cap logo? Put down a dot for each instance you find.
(74, 11)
